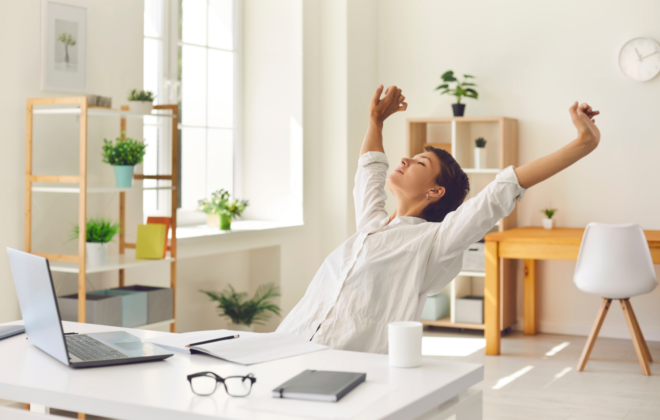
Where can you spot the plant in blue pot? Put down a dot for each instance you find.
(123, 155)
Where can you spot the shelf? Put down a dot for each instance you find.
(472, 273)
(159, 324)
(76, 190)
(101, 112)
(112, 262)
(481, 171)
(446, 323)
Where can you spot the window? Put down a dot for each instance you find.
(190, 58)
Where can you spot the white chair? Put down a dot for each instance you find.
(615, 263)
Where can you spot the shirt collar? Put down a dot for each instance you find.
(410, 220)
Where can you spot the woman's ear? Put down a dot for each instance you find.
(436, 193)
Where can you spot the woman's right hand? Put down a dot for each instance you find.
(393, 101)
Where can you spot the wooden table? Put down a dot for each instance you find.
(531, 244)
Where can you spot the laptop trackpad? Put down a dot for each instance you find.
(137, 348)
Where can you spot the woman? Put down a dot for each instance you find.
(384, 272)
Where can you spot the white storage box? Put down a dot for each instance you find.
(436, 307)
(474, 258)
(470, 309)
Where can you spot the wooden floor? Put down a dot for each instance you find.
(536, 377)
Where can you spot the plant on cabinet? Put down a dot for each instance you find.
(548, 222)
(480, 153)
(141, 101)
(220, 210)
(99, 233)
(245, 313)
(123, 156)
(461, 89)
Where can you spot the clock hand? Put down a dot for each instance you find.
(639, 56)
(654, 52)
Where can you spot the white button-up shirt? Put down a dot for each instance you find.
(384, 272)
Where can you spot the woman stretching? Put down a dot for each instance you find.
(384, 272)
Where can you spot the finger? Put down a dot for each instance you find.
(403, 106)
(391, 91)
(379, 91)
(402, 98)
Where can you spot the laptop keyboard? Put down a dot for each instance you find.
(87, 349)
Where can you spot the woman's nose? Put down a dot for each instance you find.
(404, 161)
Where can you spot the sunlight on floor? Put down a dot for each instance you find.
(451, 346)
(559, 375)
(508, 379)
(556, 349)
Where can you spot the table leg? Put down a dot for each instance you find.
(530, 292)
(492, 299)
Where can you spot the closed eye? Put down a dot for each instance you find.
(420, 163)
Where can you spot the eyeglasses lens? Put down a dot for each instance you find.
(203, 385)
(238, 386)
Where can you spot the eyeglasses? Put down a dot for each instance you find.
(205, 383)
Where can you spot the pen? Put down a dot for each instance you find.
(229, 337)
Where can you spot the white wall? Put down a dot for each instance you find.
(532, 60)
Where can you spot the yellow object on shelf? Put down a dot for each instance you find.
(150, 239)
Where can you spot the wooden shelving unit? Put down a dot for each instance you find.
(456, 135)
(77, 184)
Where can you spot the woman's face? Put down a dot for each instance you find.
(415, 177)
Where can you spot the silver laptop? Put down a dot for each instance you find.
(43, 325)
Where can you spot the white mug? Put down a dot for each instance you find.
(405, 343)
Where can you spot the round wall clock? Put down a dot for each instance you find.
(639, 59)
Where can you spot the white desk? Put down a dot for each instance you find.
(159, 390)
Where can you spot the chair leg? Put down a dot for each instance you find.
(645, 347)
(641, 355)
(602, 312)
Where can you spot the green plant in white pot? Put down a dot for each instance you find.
(221, 210)
(244, 313)
(141, 101)
(548, 222)
(480, 153)
(99, 233)
(123, 156)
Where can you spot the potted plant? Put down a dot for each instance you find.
(220, 210)
(123, 155)
(480, 153)
(458, 91)
(548, 222)
(243, 312)
(141, 101)
(100, 231)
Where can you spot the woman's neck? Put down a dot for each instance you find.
(408, 209)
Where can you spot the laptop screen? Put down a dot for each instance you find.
(38, 303)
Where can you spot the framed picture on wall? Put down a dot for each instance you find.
(63, 47)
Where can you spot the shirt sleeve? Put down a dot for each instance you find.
(475, 217)
(369, 192)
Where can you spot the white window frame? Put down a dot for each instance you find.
(171, 88)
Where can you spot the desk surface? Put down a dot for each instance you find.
(160, 389)
(563, 236)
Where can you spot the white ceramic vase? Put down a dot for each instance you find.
(96, 253)
(479, 157)
(548, 223)
(213, 221)
(142, 107)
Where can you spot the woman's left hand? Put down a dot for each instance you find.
(393, 101)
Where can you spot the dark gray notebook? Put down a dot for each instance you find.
(319, 385)
(9, 330)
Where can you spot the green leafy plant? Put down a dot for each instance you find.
(126, 152)
(549, 212)
(460, 89)
(480, 142)
(69, 41)
(221, 204)
(99, 230)
(241, 310)
(141, 95)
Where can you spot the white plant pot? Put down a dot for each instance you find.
(240, 327)
(213, 221)
(479, 157)
(96, 253)
(142, 107)
(548, 223)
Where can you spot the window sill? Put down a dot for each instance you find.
(201, 240)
